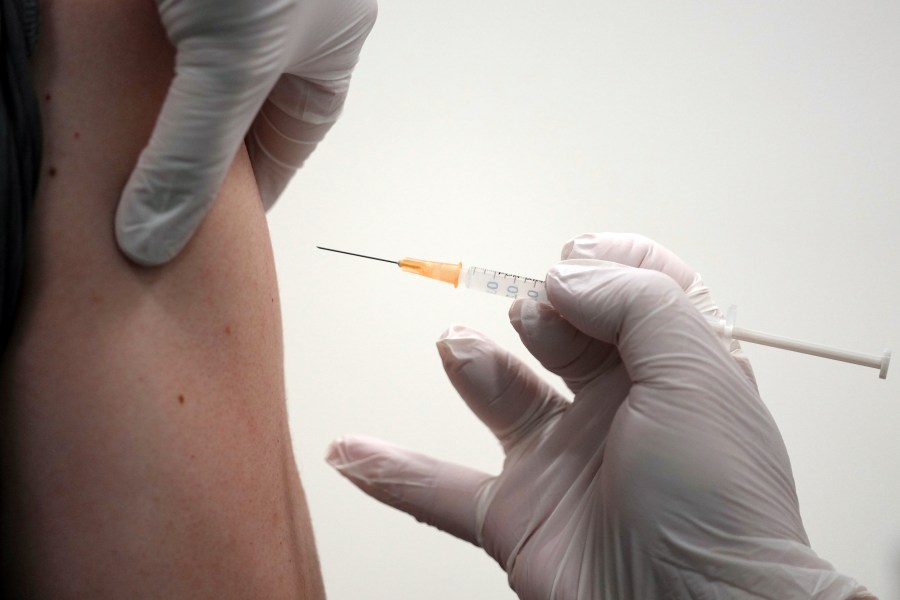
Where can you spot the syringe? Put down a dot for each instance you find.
(515, 286)
(474, 278)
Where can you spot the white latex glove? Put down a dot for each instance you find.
(665, 478)
(281, 65)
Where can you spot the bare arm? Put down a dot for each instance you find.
(146, 448)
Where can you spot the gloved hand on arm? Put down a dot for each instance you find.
(280, 66)
(665, 477)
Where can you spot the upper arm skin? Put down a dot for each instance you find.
(145, 440)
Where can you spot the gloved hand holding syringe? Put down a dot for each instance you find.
(515, 286)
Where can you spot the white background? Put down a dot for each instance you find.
(758, 140)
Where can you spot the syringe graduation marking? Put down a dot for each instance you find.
(515, 277)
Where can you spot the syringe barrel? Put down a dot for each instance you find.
(503, 284)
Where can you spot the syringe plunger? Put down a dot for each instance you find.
(726, 328)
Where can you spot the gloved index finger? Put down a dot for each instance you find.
(632, 250)
(507, 396)
(639, 251)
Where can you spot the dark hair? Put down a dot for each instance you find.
(20, 150)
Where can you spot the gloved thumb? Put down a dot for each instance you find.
(659, 334)
(227, 61)
(438, 493)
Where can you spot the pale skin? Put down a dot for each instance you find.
(146, 446)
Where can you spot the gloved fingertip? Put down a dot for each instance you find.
(132, 239)
(454, 332)
(356, 457)
(526, 316)
(569, 277)
(336, 455)
(143, 256)
(515, 313)
(567, 249)
(456, 344)
(577, 245)
(149, 238)
(576, 270)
